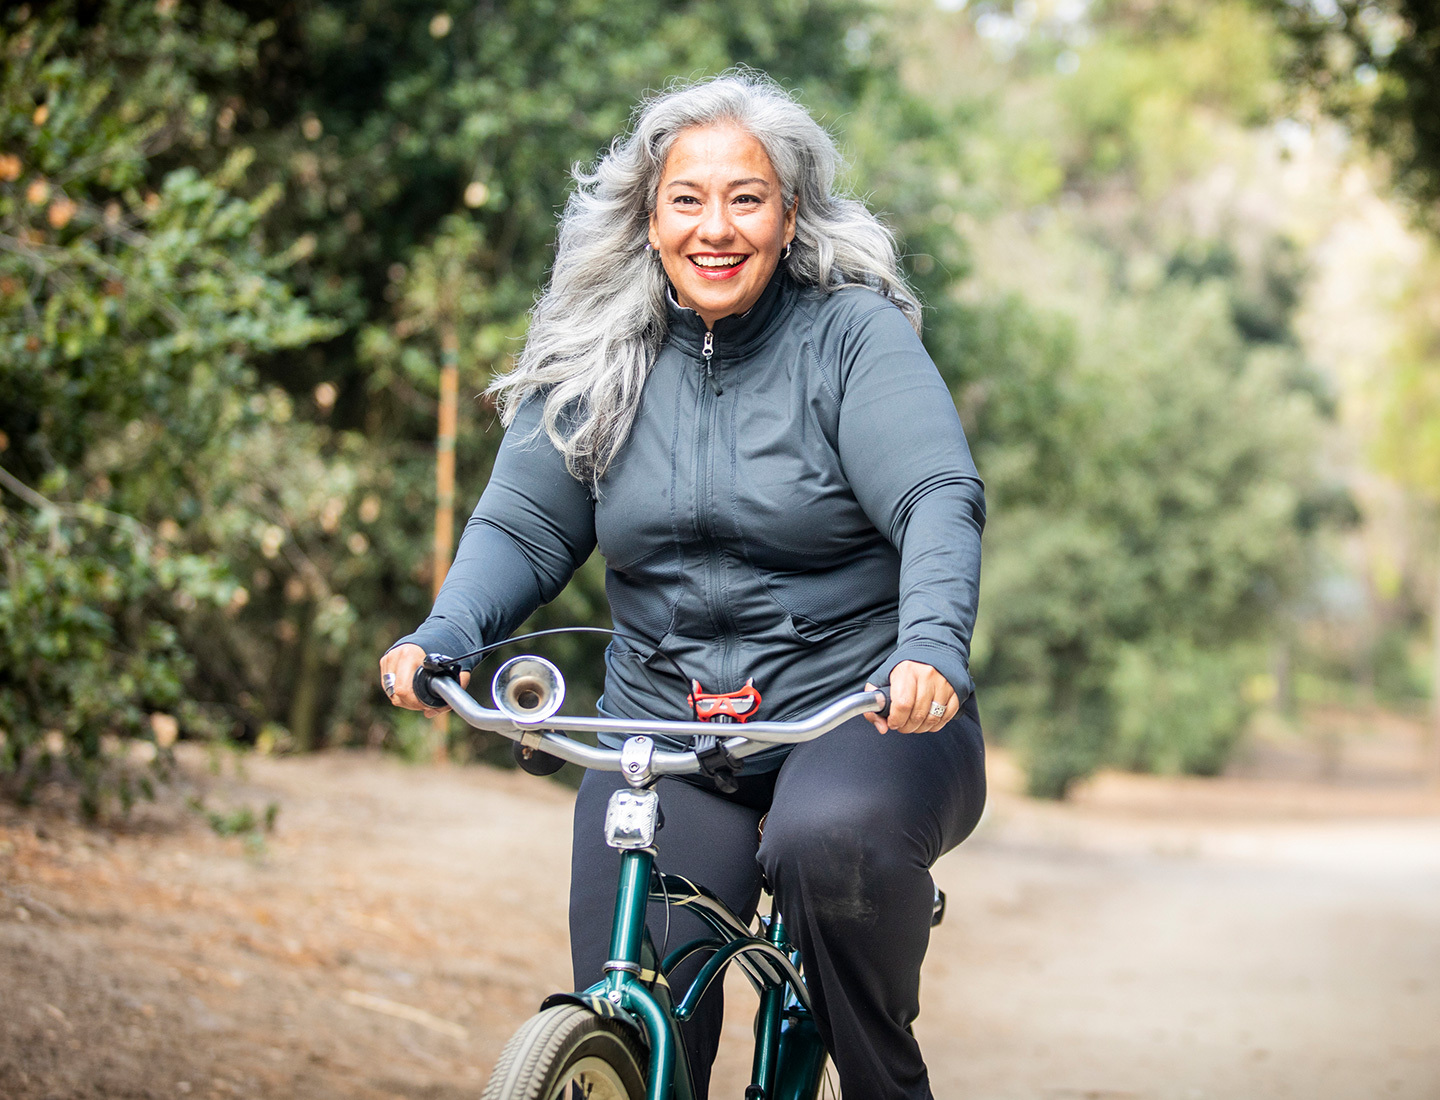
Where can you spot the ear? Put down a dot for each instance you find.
(654, 235)
(790, 220)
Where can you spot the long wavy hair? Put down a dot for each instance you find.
(598, 327)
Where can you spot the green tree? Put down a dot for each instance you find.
(1147, 525)
(1375, 64)
(128, 315)
(1135, 396)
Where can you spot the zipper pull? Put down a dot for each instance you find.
(708, 352)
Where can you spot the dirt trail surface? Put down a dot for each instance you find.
(1240, 938)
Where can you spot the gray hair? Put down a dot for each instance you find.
(597, 329)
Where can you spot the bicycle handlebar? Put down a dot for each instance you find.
(545, 735)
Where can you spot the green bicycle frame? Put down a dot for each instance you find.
(789, 1055)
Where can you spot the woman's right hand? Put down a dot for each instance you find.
(403, 662)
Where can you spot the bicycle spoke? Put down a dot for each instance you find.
(590, 1079)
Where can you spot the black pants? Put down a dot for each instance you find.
(856, 821)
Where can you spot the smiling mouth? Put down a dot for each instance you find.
(717, 264)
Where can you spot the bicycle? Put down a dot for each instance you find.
(620, 1039)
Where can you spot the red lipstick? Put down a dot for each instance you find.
(716, 274)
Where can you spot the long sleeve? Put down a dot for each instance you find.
(905, 455)
(533, 527)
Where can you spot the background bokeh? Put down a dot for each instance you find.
(1180, 272)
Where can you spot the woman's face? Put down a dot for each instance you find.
(720, 221)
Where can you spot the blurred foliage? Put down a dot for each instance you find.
(1376, 65)
(1142, 84)
(1148, 481)
(131, 306)
(1179, 709)
(232, 233)
(1408, 447)
(1130, 380)
(242, 821)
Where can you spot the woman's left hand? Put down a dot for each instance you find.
(917, 692)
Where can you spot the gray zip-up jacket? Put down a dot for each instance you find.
(795, 503)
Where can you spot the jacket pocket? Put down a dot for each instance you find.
(813, 633)
(633, 651)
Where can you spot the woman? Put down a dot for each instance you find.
(723, 388)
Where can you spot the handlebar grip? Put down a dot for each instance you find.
(424, 692)
(885, 711)
(436, 664)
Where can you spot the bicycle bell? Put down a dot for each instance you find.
(528, 689)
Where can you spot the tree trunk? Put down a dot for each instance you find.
(305, 699)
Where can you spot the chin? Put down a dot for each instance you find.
(732, 301)
(722, 309)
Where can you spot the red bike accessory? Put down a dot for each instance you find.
(731, 706)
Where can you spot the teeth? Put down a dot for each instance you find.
(716, 261)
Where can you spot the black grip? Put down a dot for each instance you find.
(436, 664)
(885, 711)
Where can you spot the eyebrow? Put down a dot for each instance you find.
(733, 183)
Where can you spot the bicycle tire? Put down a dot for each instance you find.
(568, 1052)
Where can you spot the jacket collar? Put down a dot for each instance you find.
(735, 337)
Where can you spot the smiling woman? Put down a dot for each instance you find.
(720, 221)
(600, 324)
(706, 395)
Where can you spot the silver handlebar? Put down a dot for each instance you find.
(756, 736)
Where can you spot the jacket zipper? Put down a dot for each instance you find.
(708, 351)
(704, 492)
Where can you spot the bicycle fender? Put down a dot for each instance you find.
(601, 1006)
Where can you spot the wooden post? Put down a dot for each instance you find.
(445, 488)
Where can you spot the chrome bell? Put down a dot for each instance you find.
(528, 689)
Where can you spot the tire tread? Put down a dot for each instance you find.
(526, 1061)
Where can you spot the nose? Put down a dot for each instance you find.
(716, 226)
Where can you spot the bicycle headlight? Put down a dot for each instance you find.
(631, 819)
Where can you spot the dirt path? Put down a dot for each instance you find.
(1157, 939)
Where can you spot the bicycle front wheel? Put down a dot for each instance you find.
(569, 1053)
